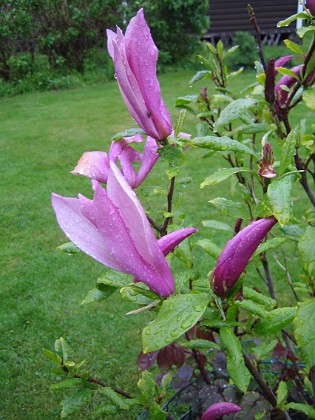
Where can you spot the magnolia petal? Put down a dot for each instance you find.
(72, 215)
(149, 157)
(282, 61)
(218, 410)
(94, 165)
(142, 56)
(124, 198)
(126, 158)
(168, 242)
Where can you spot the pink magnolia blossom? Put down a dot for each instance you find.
(135, 56)
(218, 410)
(114, 230)
(95, 165)
(237, 254)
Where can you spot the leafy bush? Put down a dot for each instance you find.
(246, 54)
(176, 26)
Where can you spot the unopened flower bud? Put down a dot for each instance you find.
(237, 253)
(270, 82)
(311, 6)
(218, 410)
(266, 169)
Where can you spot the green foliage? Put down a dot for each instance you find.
(246, 54)
(175, 25)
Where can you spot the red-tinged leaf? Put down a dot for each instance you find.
(205, 334)
(145, 361)
(169, 356)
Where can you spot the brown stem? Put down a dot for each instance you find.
(300, 166)
(269, 281)
(253, 19)
(201, 367)
(168, 220)
(269, 395)
(102, 384)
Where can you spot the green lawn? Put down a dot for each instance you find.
(42, 135)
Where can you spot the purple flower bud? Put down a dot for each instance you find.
(311, 6)
(135, 55)
(237, 253)
(270, 82)
(218, 410)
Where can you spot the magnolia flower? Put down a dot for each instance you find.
(114, 230)
(237, 254)
(311, 6)
(95, 165)
(135, 56)
(218, 410)
(271, 73)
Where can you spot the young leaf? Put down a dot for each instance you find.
(307, 250)
(288, 149)
(221, 175)
(119, 401)
(200, 344)
(269, 245)
(200, 75)
(280, 200)
(102, 291)
(148, 386)
(234, 111)
(276, 320)
(304, 331)
(293, 46)
(282, 394)
(309, 98)
(172, 155)
(75, 402)
(308, 410)
(52, 356)
(210, 247)
(221, 144)
(225, 205)
(62, 347)
(138, 293)
(252, 308)
(287, 21)
(156, 412)
(235, 362)
(177, 315)
(67, 383)
(258, 297)
(214, 224)
(68, 248)
(130, 132)
(114, 278)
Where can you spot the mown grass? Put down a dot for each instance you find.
(42, 135)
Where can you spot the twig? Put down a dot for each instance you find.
(199, 363)
(268, 275)
(168, 220)
(253, 19)
(270, 396)
(285, 269)
(102, 384)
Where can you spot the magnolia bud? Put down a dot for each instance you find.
(270, 82)
(266, 169)
(311, 6)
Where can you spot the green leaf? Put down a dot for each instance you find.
(67, 383)
(225, 205)
(119, 401)
(309, 98)
(130, 132)
(234, 111)
(282, 394)
(138, 293)
(68, 248)
(304, 29)
(200, 344)
(62, 347)
(307, 250)
(288, 149)
(293, 46)
(114, 278)
(172, 155)
(156, 412)
(269, 245)
(52, 356)
(148, 386)
(253, 128)
(214, 224)
(186, 100)
(287, 72)
(75, 402)
(280, 200)
(252, 308)
(200, 75)
(264, 350)
(303, 408)
(177, 315)
(221, 144)
(183, 252)
(235, 362)
(276, 320)
(235, 74)
(208, 246)
(305, 332)
(287, 21)
(221, 175)
(98, 293)
(259, 298)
